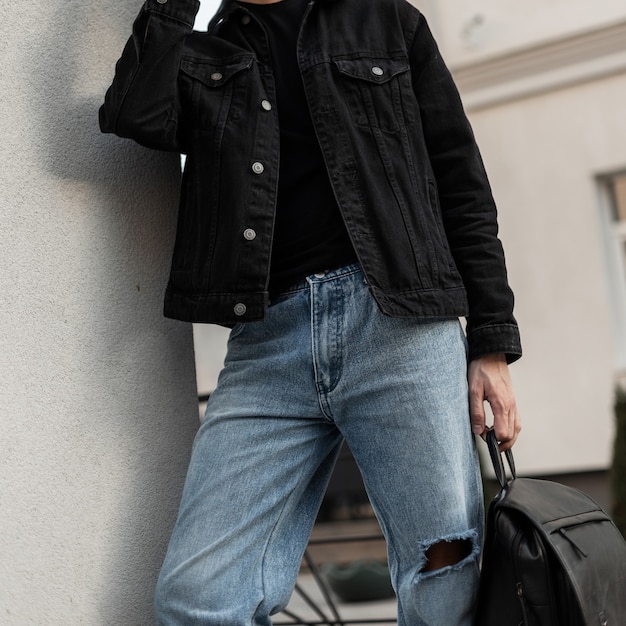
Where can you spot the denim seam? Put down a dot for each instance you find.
(319, 387)
(265, 550)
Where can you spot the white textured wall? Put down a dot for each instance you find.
(543, 154)
(97, 390)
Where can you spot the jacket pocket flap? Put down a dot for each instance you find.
(213, 74)
(372, 70)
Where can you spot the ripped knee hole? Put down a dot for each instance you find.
(446, 553)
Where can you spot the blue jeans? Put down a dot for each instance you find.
(323, 365)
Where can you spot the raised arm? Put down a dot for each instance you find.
(143, 101)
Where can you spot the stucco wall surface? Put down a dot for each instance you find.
(97, 389)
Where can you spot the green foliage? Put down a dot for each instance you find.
(618, 471)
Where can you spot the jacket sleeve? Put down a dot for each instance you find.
(143, 102)
(468, 209)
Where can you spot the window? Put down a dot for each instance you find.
(613, 197)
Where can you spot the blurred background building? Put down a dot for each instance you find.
(544, 84)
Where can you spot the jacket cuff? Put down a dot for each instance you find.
(495, 339)
(181, 10)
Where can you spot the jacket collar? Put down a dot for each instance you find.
(230, 6)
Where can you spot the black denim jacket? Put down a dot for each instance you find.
(400, 153)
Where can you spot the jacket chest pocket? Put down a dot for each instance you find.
(211, 93)
(376, 90)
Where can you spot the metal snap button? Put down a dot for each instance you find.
(240, 309)
(266, 104)
(377, 71)
(258, 167)
(216, 76)
(245, 20)
(249, 234)
(161, 1)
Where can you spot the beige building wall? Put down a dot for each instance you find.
(473, 29)
(543, 155)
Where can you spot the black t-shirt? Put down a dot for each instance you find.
(309, 233)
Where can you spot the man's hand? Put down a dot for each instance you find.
(489, 379)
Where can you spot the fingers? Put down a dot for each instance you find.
(489, 380)
(477, 412)
(507, 425)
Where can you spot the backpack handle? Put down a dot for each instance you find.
(496, 459)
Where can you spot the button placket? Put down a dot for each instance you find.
(263, 173)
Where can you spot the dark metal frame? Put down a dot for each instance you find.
(334, 619)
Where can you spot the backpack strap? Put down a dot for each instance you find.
(496, 459)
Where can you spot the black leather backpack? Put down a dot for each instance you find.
(552, 556)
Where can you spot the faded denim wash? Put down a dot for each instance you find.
(326, 364)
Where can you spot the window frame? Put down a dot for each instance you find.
(614, 232)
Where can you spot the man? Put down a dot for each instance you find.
(335, 212)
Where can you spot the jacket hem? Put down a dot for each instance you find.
(422, 303)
